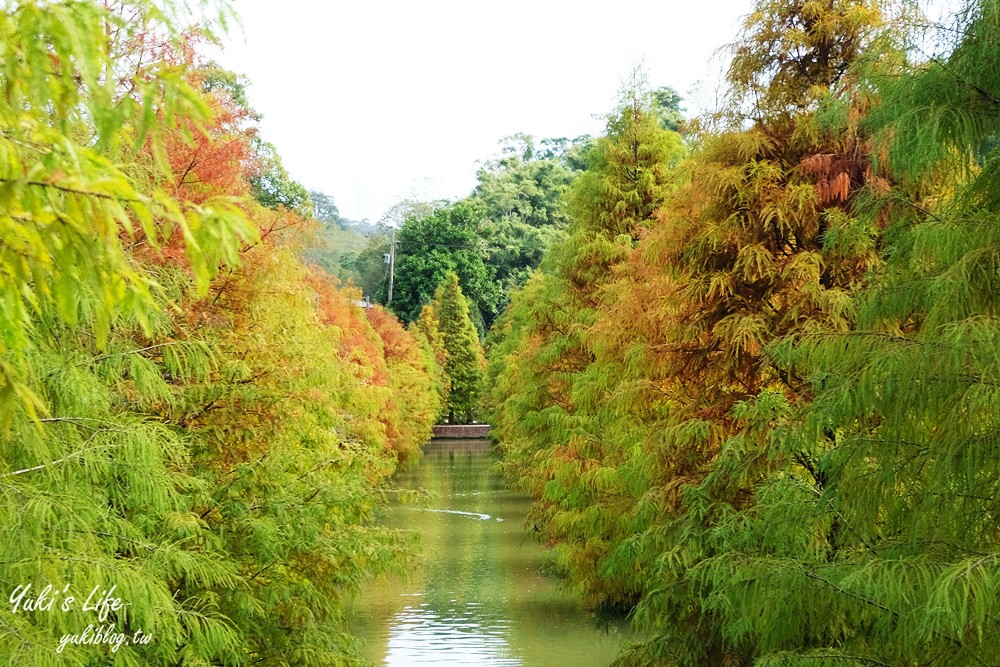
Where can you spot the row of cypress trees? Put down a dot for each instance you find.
(190, 418)
(753, 393)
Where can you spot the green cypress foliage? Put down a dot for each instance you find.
(217, 459)
(874, 541)
(763, 243)
(428, 334)
(68, 115)
(542, 380)
(464, 363)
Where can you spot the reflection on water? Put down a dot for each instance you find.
(479, 598)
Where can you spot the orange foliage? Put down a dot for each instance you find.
(206, 160)
(399, 344)
(414, 403)
(359, 343)
(217, 159)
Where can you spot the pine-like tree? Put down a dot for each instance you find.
(415, 401)
(428, 334)
(465, 362)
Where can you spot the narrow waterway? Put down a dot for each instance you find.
(480, 597)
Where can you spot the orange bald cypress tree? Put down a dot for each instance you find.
(762, 243)
(415, 402)
(616, 419)
(872, 538)
(543, 391)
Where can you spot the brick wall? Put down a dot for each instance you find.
(462, 431)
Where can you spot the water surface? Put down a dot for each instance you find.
(480, 597)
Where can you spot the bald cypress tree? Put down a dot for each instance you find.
(427, 331)
(763, 243)
(643, 347)
(874, 541)
(205, 446)
(464, 362)
(546, 401)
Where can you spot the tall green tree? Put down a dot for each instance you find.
(464, 363)
(522, 193)
(493, 239)
(271, 184)
(668, 108)
(325, 209)
(429, 248)
(427, 330)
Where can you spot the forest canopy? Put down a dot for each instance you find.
(743, 364)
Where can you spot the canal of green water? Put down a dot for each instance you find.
(480, 597)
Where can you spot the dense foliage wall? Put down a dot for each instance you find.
(763, 423)
(191, 418)
(540, 370)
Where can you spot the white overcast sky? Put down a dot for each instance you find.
(374, 101)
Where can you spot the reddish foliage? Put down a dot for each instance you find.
(218, 160)
(399, 344)
(359, 343)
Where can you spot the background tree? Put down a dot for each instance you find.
(464, 362)
(366, 265)
(271, 185)
(334, 242)
(668, 108)
(325, 209)
(515, 213)
(429, 248)
(522, 196)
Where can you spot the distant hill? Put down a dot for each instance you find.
(336, 237)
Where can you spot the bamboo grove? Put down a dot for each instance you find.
(753, 392)
(188, 413)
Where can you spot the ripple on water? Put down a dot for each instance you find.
(419, 636)
(473, 515)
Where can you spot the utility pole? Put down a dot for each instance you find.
(392, 265)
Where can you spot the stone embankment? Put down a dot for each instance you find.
(462, 431)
